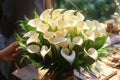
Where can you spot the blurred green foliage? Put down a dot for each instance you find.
(117, 2)
(92, 9)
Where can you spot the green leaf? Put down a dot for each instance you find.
(24, 56)
(25, 26)
(99, 42)
(87, 60)
(35, 14)
(73, 33)
(20, 41)
(103, 52)
(78, 59)
(87, 44)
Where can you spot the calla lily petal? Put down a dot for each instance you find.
(90, 24)
(44, 50)
(92, 53)
(69, 12)
(80, 16)
(43, 28)
(56, 13)
(78, 40)
(71, 20)
(45, 15)
(103, 26)
(89, 35)
(61, 23)
(34, 22)
(65, 43)
(31, 33)
(61, 33)
(100, 30)
(48, 35)
(70, 58)
(53, 23)
(82, 25)
(33, 39)
(33, 48)
(97, 24)
(57, 40)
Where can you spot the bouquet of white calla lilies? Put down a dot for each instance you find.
(62, 40)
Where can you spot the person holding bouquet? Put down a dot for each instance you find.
(13, 12)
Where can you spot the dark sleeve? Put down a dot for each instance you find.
(8, 7)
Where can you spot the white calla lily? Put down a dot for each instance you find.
(31, 33)
(97, 24)
(56, 13)
(57, 40)
(33, 48)
(80, 16)
(89, 35)
(100, 30)
(92, 52)
(66, 43)
(82, 25)
(77, 40)
(103, 31)
(53, 23)
(71, 21)
(61, 33)
(34, 22)
(90, 24)
(66, 54)
(44, 50)
(70, 18)
(61, 23)
(45, 15)
(69, 12)
(33, 39)
(48, 35)
(43, 28)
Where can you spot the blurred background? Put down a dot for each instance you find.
(92, 9)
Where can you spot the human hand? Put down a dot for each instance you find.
(9, 53)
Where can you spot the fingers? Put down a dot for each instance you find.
(12, 47)
(17, 49)
(10, 58)
(15, 44)
(14, 54)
